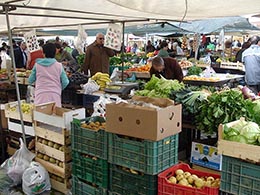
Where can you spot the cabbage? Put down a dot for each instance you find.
(250, 131)
(238, 138)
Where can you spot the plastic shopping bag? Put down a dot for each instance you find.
(30, 94)
(36, 179)
(16, 165)
(90, 87)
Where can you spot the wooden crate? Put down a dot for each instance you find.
(235, 149)
(232, 65)
(15, 125)
(58, 117)
(64, 172)
(28, 117)
(61, 187)
(11, 150)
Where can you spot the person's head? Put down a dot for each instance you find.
(57, 39)
(23, 46)
(254, 40)
(49, 50)
(41, 42)
(4, 44)
(149, 42)
(64, 44)
(100, 38)
(58, 48)
(228, 43)
(158, 64)
(164, 45)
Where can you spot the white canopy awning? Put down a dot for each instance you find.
(62, 13)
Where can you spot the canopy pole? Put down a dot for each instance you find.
(6, 9)
(123, 50)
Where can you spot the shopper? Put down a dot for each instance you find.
(63, 56)
(245, 46)
(34, 55)
(251, 59)
(49, 77)
(149, 47)
(97, 56)
(163, 52)
(168, 67)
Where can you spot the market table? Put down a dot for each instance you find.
(230, 79)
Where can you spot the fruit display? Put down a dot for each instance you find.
(26, 108)
(197, 78)
(51, 144)
(77, 78)
(94, 125)
(185, 64)
(185, 178)
(50, 159)
(150, 55)
(145, 68)
(101, 79)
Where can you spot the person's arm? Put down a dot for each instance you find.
(177, 71)
(64, 79)
(32, 77)
(109, 52)
(86, 64)
(69, 59)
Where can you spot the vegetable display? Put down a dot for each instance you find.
(160, 87)
(194, 70)
(243, 132)
(222, 107)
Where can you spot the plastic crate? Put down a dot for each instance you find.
(81, 188)
(89, 100)
(89, 141)
(126, 183)
(150, 157)
(92, 170)
(166, 188)
(239, 177)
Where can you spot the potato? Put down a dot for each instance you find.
(172, 180)
(187, 174)
(183, 182)
(179, 172)
(179, 177)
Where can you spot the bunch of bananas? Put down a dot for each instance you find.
(101, 79)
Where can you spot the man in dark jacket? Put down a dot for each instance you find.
(97, 56)
(168, 67)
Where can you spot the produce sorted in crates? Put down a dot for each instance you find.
(25, 107)
(191, 180)
(94, 125)
(145, 68)
(185, 64)
(49, 159)
(243, 132)
(160, 87)
(101, 79)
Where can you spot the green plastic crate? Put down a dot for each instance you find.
(81, 188)
(149, 157)
(92, 170)
(239, 177)
(88, 141)
(126, 183)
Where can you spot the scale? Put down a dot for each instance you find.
(122, 88)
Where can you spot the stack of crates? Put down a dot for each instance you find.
(14, 125)
(53, 142)
(135, 163)
(90, 167)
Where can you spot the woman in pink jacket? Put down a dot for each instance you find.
(49, 77)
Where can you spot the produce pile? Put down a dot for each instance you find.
(145, 68)
(194, 70)
(160, 88)
(185, 64)
(94, 125)
(101, 79)
(198, 78)
(25, 107)
(192, 180)
(243, 132)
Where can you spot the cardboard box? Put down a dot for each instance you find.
(205, 156)
(144, 122)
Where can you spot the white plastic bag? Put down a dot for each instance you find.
(90, 87)
(36, 179)
(16, 165)
(30, 94)
(114, 76)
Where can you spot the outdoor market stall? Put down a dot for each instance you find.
(137, 153)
